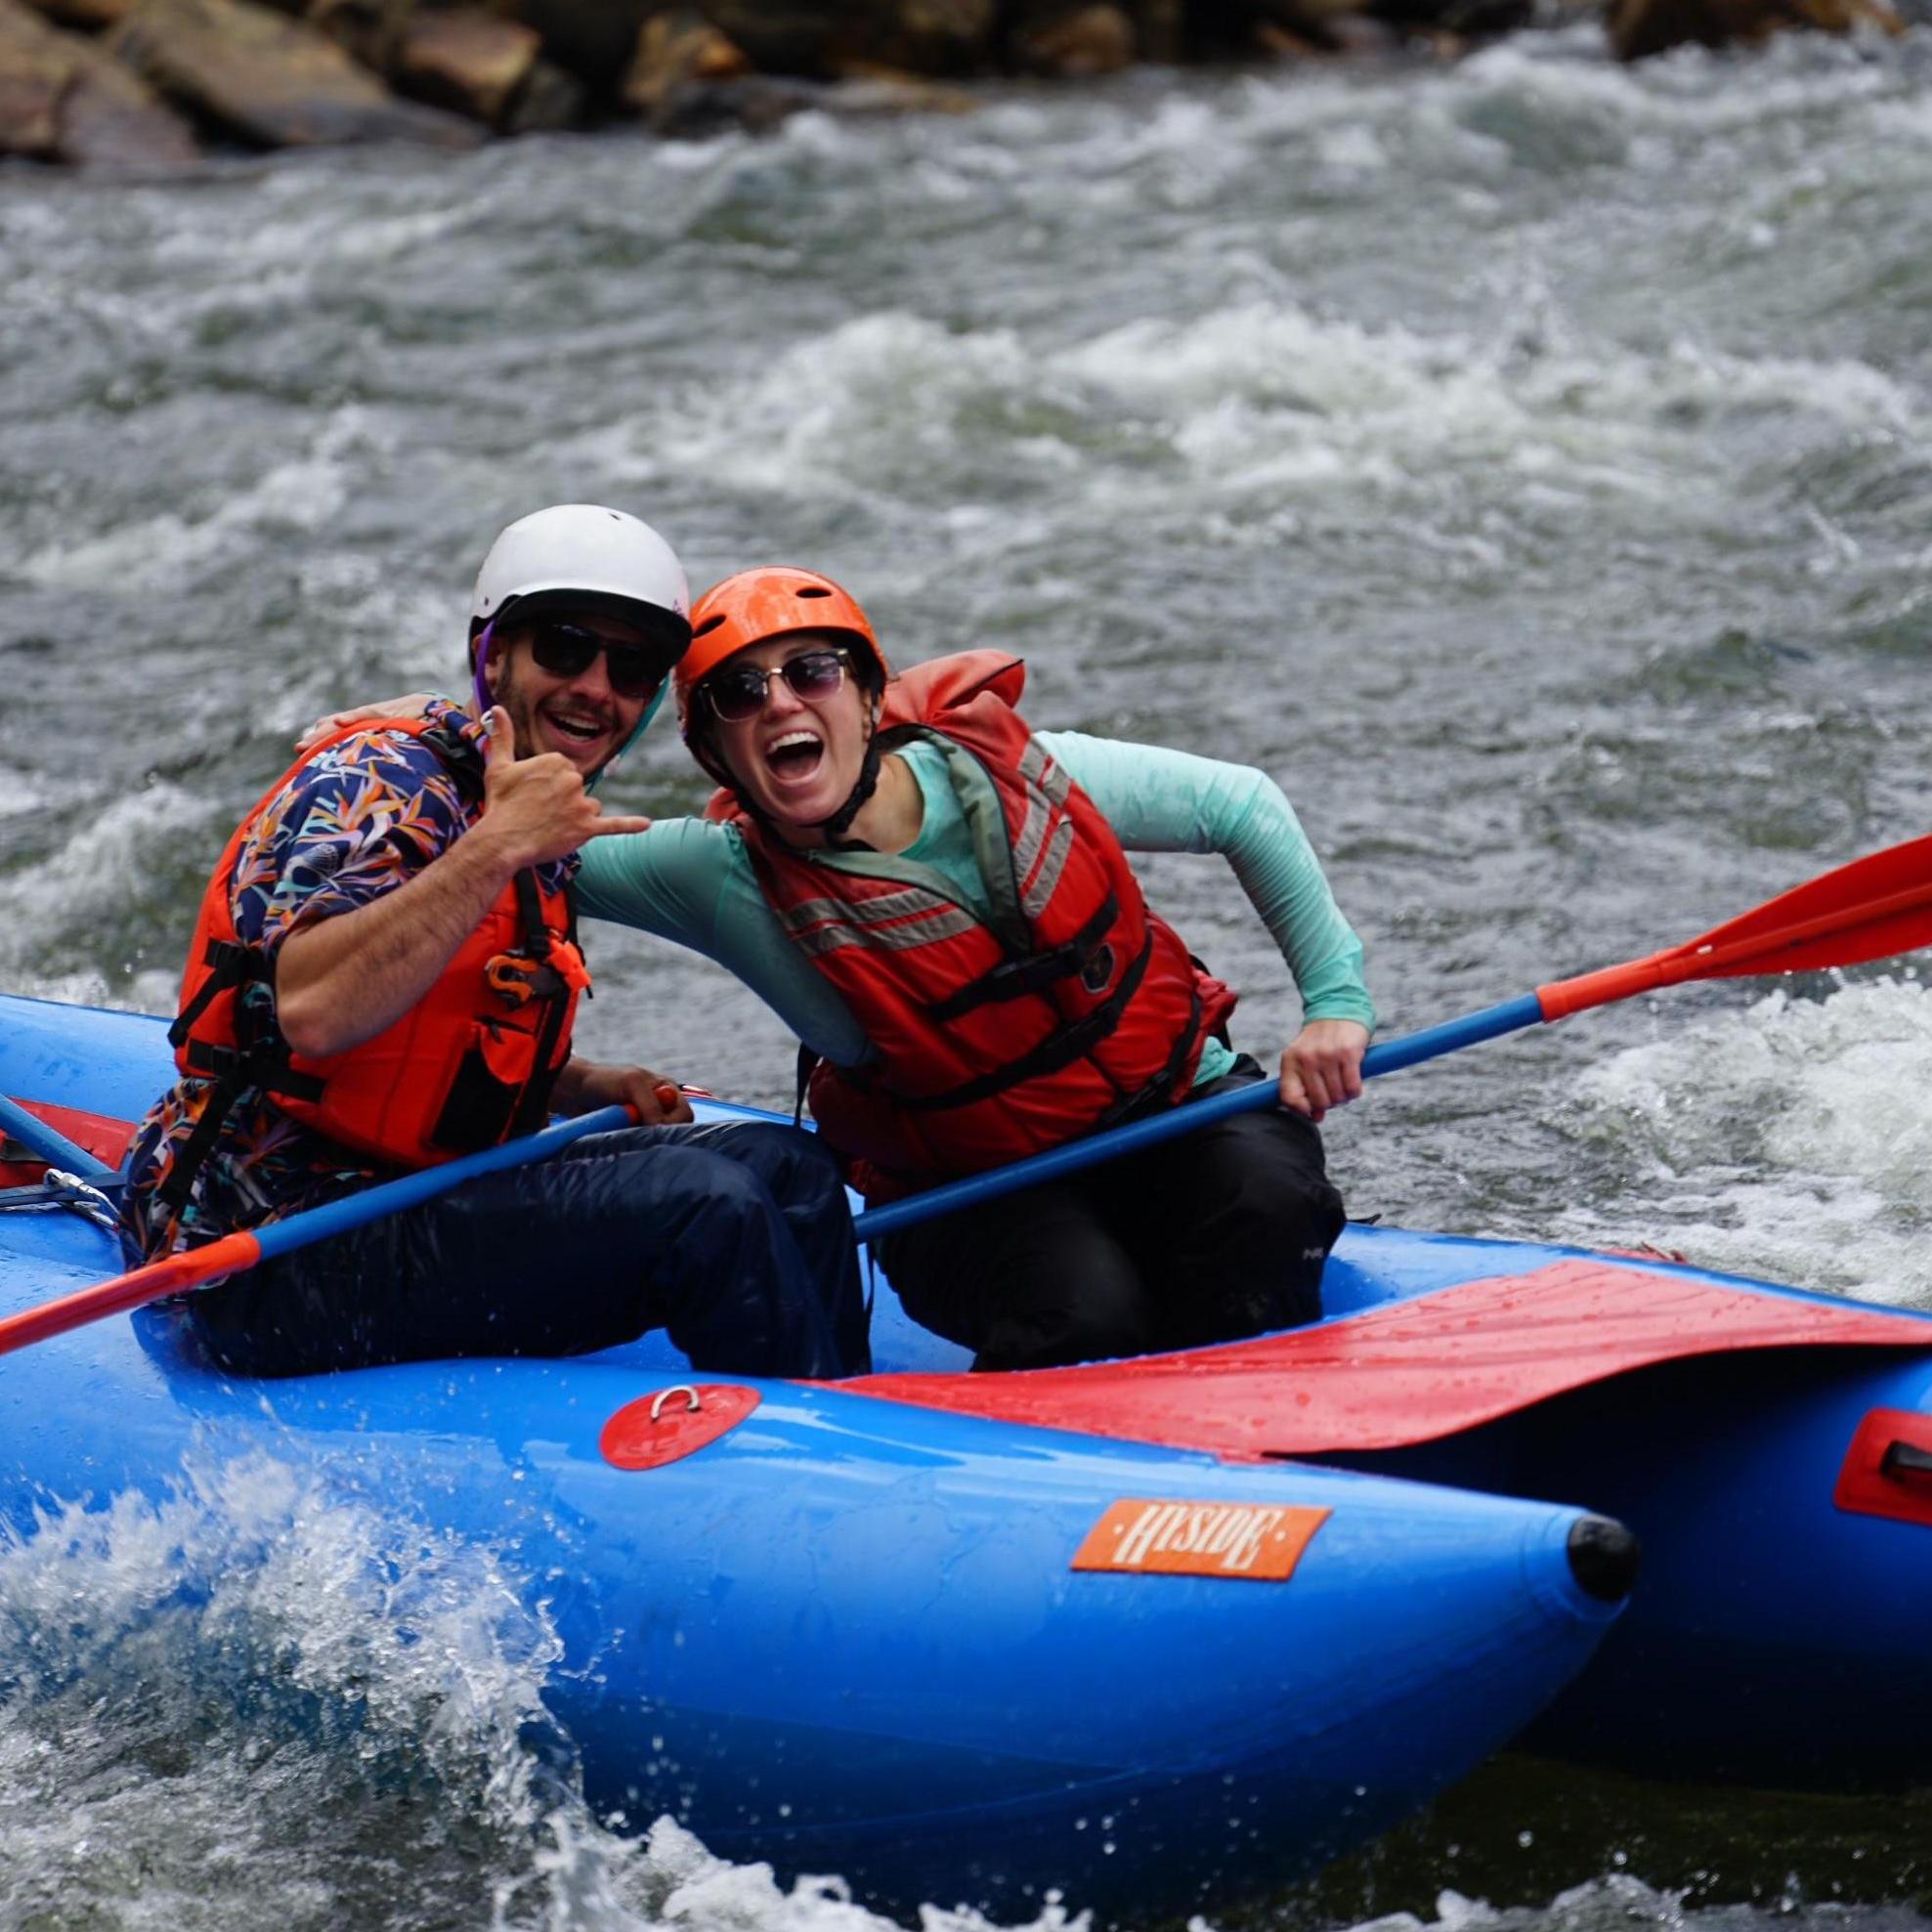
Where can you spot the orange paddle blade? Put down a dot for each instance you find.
(1873, 909)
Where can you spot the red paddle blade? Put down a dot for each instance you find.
(1873, 909)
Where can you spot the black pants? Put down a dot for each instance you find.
(1217, 1235)
(736, 1237)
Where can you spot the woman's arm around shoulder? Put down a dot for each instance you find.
(691, 881)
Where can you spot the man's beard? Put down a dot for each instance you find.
(503, 692)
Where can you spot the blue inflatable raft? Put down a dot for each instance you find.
(950, 1657)
(927, 1629)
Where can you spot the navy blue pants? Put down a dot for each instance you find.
(735, 1236)
(1219, 1234)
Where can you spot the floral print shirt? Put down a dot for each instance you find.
(353, 822)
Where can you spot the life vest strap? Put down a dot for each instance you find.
(1159, 1092)
(228, 965)
(1060, 1049)
(263, 1066)
(1015, 979)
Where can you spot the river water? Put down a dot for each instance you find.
(1529, 463)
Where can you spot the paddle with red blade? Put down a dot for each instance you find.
(1873, 909)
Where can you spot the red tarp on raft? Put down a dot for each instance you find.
(1408, 1372)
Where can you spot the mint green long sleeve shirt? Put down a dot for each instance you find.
(691, 880)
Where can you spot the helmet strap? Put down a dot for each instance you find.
(835, 827)
(479, 657)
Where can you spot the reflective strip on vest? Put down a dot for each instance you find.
(852, 926)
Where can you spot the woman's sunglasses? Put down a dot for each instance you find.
(567, 650)
(737, 692)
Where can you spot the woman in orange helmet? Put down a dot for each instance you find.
(959, 883)
(936, 899)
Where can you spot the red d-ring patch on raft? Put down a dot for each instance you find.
(671, 1423)
(1409, 1372)
(1888, 1469)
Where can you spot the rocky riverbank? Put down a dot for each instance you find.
(147, 84)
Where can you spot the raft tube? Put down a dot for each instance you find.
(953, 1659)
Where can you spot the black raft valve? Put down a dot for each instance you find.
(1604, 1557)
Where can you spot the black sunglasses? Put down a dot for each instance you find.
(737, 692)
(567, 650)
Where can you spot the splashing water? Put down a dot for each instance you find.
(1790, 1139)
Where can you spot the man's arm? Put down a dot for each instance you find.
(345, 978)
(585, 1085)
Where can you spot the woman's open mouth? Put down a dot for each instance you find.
(794, 757)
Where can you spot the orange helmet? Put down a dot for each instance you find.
(755, 606)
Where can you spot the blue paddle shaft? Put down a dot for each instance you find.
(1512, 1016)
(408, 1190)
(45, 1145)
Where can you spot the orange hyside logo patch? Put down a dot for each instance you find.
(1264, 1541)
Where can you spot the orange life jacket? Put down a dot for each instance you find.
(1073, 1006)
(469, 1066)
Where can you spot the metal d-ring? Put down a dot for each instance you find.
(664, 1396)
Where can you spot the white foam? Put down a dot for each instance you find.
(163, 551)
(20, 794)
(1789, 1139)
(98, 872)
(342, 1695)
(1686, 91)
(853, 407)
(1257, 401)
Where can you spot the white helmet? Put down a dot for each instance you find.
(578, 556)
(583, 553)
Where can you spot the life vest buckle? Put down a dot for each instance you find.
(1097, 969)
(517, 979)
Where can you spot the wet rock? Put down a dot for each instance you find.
(1160, 29)
(36, 73)
(269, 80)
(868, 93)
(115, 120)
(1293, 28)
(591, 39)
(1466, 19)
(677, 50)
(550, 101)
(1078, 43)
(931, 37)
(756, 103)
(61, 99)
(368, 31)
(1280, 43)
(1363, 37)
(470, 63)
(90, 15)
(759, 103)
(786, 36)
(829, 37)
(1640, 28)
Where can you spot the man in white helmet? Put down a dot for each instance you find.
(383, 976)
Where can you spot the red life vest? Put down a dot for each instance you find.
(1072, 1008)
(469, 1066)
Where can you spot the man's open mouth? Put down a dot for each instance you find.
(575, 728)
